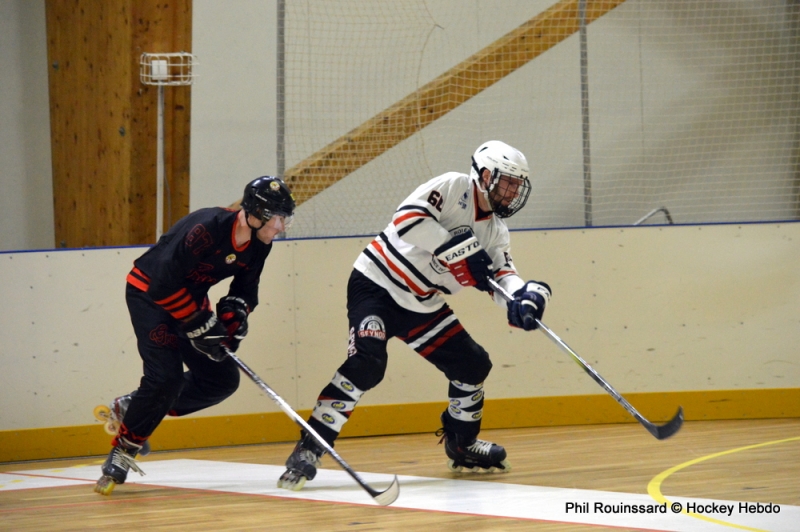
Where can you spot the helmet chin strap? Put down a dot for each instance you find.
(254, 230)
(488, 198)
(485, 189)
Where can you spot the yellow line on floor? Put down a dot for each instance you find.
(654, 486)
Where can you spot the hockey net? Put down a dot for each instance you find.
(686, 108)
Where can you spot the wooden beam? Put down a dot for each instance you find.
(437, 98)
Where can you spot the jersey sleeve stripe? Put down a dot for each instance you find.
(398, 220)
(411, 207)
(138, 279)
(171, 299)
(408, 227)
(185, 312)
(140, 274)
(180, 304)
(397, 256)
(384, 271)
(186, 300)
(410, 214)
(400, 273)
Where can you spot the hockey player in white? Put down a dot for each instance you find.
(448, 234)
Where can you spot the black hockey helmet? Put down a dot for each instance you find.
(268, 196)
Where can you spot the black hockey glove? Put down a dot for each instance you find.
(233, 312)
(207, 333)
(528, 305)
(467, 260)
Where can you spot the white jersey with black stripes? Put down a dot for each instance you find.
(401, 258)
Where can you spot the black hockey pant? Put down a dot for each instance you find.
(165, 387)
(439, 337)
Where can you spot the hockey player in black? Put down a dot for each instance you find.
(448, 234)
(167, 297)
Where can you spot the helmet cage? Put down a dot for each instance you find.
(495, 195)
(498, 190)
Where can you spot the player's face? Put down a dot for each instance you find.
(506, 190)
(269, 230)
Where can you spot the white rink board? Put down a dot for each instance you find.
(652, 309)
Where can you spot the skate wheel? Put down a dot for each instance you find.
(102, 413)
(506, 467)
(292, 482)
(145, 450)
(105, 485)
(451, 465)
(111, 428)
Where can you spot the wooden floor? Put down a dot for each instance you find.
(617, 458)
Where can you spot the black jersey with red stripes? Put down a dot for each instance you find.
(195, 254)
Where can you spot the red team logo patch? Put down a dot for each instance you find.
(372, 327)
(162, 337)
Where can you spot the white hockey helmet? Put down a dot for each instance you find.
(502, 160)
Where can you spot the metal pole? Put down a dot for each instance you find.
(587, 160)
(653, 212)
(160, 165)
(281, 89)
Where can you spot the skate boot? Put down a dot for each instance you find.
(301, 465)
(115, 469)
(113, 415)
(473, 455)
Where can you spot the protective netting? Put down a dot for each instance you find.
(690, 105)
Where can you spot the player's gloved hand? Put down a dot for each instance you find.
(467, 260)
(233, 312)
(528, 305)
(207, 333)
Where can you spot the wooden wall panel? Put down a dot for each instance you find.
(161, 28)
(104, 121)
(87, 45)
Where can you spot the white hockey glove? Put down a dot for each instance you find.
(467, 260)
(528, 305)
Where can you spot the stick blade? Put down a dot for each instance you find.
(662, 432)
(389, 495)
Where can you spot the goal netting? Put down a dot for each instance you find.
(621, 107)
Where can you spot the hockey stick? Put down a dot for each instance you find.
(659, 431)
(384, 498)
